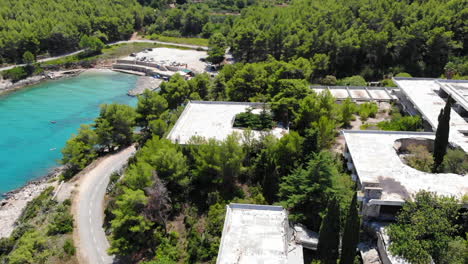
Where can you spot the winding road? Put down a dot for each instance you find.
(92, 243)
(113, 43)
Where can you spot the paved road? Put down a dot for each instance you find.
(92, 243)
(113, 43)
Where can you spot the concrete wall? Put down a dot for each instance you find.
(401, 145)
(382, 249)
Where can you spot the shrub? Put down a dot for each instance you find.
(367, 110)
(15, 74)
(355, 80)
(402, 123)
(388, 83)
(6, 245)
(328, 80)
(455, 161)
(62, 222)
(33, 207)
(420, 158)
(69, 247)
(403, 74)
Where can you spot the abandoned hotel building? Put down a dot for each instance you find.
(384, 181)
(263, 234)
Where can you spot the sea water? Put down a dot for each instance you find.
(35, 122)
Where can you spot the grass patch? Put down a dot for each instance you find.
(181, 40)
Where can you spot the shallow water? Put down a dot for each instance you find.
(30, 143)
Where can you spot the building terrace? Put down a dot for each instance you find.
(384, 180)
(258, 234)
(426, 97)
(215, 120)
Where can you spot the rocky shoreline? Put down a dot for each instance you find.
(13, 202)
(145, 83)
(8, 86)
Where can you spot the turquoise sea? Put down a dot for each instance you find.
(30, 143)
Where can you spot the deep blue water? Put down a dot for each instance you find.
(29, 143)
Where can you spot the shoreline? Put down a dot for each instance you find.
(6, 86)
(14, 202)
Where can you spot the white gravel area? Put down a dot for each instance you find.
(168, 56)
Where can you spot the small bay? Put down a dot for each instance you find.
(35, 122)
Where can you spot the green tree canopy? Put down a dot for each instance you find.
(150, 106)
(424, 228)
(115, 125)
(329, 236)
(79, 150)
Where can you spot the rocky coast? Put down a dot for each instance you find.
(13, 202)
(7, 85)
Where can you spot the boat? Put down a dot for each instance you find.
(53, 122)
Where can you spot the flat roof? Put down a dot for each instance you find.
(376, 161)
(210, 119)
(359, 93)
(423, 93)
(458, 89)
(257, 234)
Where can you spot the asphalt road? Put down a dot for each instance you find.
(113, 43)
(92, 243)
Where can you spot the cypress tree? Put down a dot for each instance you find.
(350, 234)
(442, 135)
(329, 238)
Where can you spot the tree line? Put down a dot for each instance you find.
(55, 27)
(344, 38)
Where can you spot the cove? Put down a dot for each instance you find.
(35, 122)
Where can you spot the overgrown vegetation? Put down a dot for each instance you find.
(430, 228)
(455, 161)
(420, 158)
(43, 234)
(152, 212)
(368, 109)
(261, 121)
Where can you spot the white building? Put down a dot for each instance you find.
(213, 120)
(258, 234)
(384, 181)
(426, 97)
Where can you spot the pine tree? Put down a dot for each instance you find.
(350, 234)
(329, 238)
(442, 135)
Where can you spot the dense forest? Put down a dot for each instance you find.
(373, 39)
(369, 38)
(168, 206)
(54, 27)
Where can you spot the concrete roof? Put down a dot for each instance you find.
(458, 89)
(212, 120)
(423, 94)
(359, 93)
(376, 161)
(257, 234)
